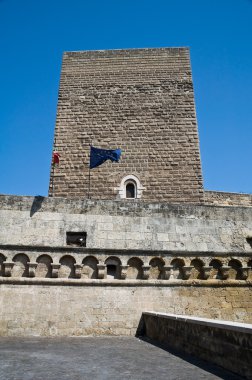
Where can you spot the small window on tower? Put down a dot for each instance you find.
(130, 190)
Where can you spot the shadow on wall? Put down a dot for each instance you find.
(207, 366)
(36, 204)
(210, 368)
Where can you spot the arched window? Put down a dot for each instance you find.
(130, 190)
(113, 267)
(111, 271)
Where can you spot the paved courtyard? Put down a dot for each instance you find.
(97, 358)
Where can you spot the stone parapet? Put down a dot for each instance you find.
(228, 344)
(221, 198)
(90, 264)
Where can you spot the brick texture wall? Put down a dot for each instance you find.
(139, 100)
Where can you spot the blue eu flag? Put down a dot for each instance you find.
(99, 156)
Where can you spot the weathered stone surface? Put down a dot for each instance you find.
(140, 100)
(188, 257)
(125, 224)
(225, 343)
(194, 267)
(166, 257)
(222, 198)
(104, 309)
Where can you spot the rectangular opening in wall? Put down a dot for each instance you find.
(76, 239)
(249, 240)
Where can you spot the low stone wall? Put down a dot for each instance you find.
(227, 344)
(221, 198)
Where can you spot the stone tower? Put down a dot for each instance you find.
(139, 100)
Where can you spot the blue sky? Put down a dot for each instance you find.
(34, 35)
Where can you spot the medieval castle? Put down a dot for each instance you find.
(141, 234)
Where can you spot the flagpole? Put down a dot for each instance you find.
(52, 180)
(55, 160)
(89, 176)
(53, 167)
(89, 172)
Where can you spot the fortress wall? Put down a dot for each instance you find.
(139, 100)
(125, 225)
(227, 344)
(222, 198)
(111, 310)
(33, 303)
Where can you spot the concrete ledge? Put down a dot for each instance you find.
(226, 325)
(226, 343)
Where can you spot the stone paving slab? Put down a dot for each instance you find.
(98, 358)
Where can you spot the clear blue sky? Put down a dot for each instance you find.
(34, 34)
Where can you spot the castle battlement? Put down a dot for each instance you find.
(112, 242)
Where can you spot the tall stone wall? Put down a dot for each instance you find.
(125, 224)
(139, 100)
(186, 259)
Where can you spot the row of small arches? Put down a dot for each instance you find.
(66, 267)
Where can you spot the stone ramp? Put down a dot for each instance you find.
(98, 358)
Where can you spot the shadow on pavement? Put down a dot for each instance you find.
(206, 366)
